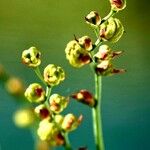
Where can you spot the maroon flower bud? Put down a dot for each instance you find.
(118, 4)
(85, 97)
(42, 111)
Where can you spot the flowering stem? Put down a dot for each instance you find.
(97, 120)
(67, 144)
(38, 73)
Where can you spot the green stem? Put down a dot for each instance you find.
(38, 73)
(67, 145)
(48, 94)
(97, 120)
(111, 14)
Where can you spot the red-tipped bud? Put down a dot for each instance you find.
(85, 97)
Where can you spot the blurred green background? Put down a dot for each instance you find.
(49, 25)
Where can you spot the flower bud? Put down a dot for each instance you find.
(111, 30)
(31, 57)
(35, 93)
(93, 19)
(58, 119)
(14, 86)
(118, 5)
(23, 117)
(103, 53)
(77, 55)
(70, 122)
(53, 75)
(85, 97)
(58, 140)
(86, 43)
(58, 103)
(42, 111)
(47, 130)
(104, 68)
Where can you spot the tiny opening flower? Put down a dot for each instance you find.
(58, 103)
(111, 30)
(53, 75)
(93, 19)
(35, 93)
(31, 57)
(118, 5)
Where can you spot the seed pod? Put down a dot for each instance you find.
(35, 93)
(31, 57)
(53, 75)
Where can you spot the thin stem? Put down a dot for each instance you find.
(111, 14)
(67, 144)
(38, 73)
(97, 120)
(48, 94)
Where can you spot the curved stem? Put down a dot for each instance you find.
(97, 120)
(111, 14)
(67, 144)
(38, 73)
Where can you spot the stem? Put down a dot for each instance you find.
(97, 120)
(48, 94)
(67, 144)
(111, 14)
(38, 73)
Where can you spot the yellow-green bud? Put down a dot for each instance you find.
(58, 119)
(70, 122)
(14, 86)
(53, 75)
(23, 117)
(47, 130)
(42, 111)
(77, 55)
(58, 103)
(31, 57)
(35, 93)
(93, 19)
(111, 30)
(118, 5)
